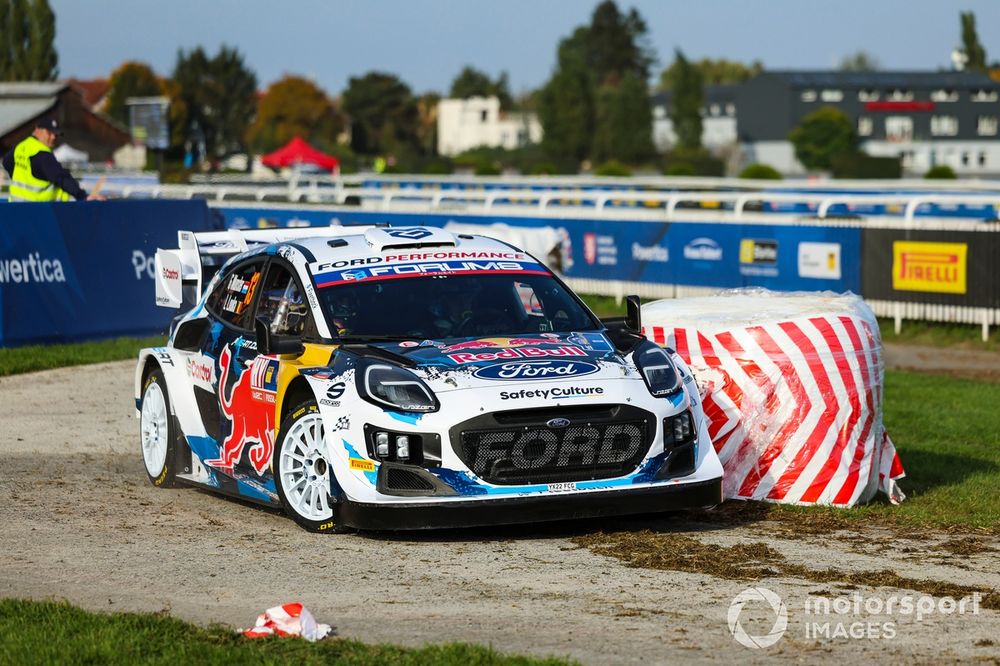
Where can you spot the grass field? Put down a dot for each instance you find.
(45, 632)
(955, 336)
(15, 360)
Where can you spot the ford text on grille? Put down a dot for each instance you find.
(576, 453)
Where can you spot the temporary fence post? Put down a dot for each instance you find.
(898, 323)
(986, 325)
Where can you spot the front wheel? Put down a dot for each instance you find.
(156, 432)
(302, 470)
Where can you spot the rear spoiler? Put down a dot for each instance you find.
(181, 274)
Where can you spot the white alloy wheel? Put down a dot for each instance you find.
(304, 471)
(153, 430)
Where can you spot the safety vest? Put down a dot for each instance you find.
(23, 184)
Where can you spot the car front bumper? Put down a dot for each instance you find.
(528, 509)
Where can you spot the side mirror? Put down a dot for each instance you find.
(633, 314)
(270, 344)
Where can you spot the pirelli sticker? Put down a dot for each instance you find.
(362, 465)
(929, 267)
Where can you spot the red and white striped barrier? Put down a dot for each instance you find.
(792, 389)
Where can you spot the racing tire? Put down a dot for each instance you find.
(302, 471)
(157, 436)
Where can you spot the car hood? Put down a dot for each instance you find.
(462, 363)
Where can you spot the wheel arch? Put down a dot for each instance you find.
(147, 363)
(297, 392)
(173, 365)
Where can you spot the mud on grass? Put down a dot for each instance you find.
(752, 561)
(796, 521)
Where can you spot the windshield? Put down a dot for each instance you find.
(445, 306)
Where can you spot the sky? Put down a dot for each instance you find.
(427, 42)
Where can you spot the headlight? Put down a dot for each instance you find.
(657, 369)
(392, 387)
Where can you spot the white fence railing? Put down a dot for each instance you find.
(733, 204)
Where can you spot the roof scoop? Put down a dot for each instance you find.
(380, 239)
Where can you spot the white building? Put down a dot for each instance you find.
(464, 124)
(718, 119)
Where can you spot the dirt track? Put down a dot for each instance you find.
(80, 522)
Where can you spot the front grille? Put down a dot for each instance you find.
(611, 445)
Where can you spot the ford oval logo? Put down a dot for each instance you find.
(530, 370)
(557, 423)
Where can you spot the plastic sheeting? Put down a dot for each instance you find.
(792, 388)
(288, 620)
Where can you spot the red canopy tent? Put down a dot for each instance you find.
(298, 151)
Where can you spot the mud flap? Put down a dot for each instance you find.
(182, 452)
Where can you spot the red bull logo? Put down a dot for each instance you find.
(524, 352)
(250, 413)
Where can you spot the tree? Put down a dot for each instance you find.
(617, 44)
(940, 172)
(218, 94)
(714, 72)
(13, 47)
(620, 111)
(688, 99)
(427, 114)
(178, 116)
(472, 82)
(131, 79)
(294, 106)
(27, 37)
(384, 115)
(822, 135)
(43, 61)
(972, 48)
(760, 171)
(580, 105)
(566, 107)
(862, 61)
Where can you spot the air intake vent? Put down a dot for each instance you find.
(408, 237)
(404, 479)
(409, 481)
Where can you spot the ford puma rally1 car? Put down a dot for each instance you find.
(405, 378)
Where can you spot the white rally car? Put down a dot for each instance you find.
(408, 378)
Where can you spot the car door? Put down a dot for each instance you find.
(231, 348)
(247, 380)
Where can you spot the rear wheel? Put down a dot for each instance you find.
(156, 432)
(302, 471)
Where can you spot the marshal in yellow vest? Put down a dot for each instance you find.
(23, 184)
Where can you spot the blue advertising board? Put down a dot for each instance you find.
(724, 255)
(84, 270)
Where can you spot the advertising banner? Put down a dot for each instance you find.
(84, 270)
(939, 267)
(780, 257)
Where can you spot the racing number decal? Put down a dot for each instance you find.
(250, 291)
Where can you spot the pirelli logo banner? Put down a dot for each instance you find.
(933, 267)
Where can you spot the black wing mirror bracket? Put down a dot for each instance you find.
(271, 344)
